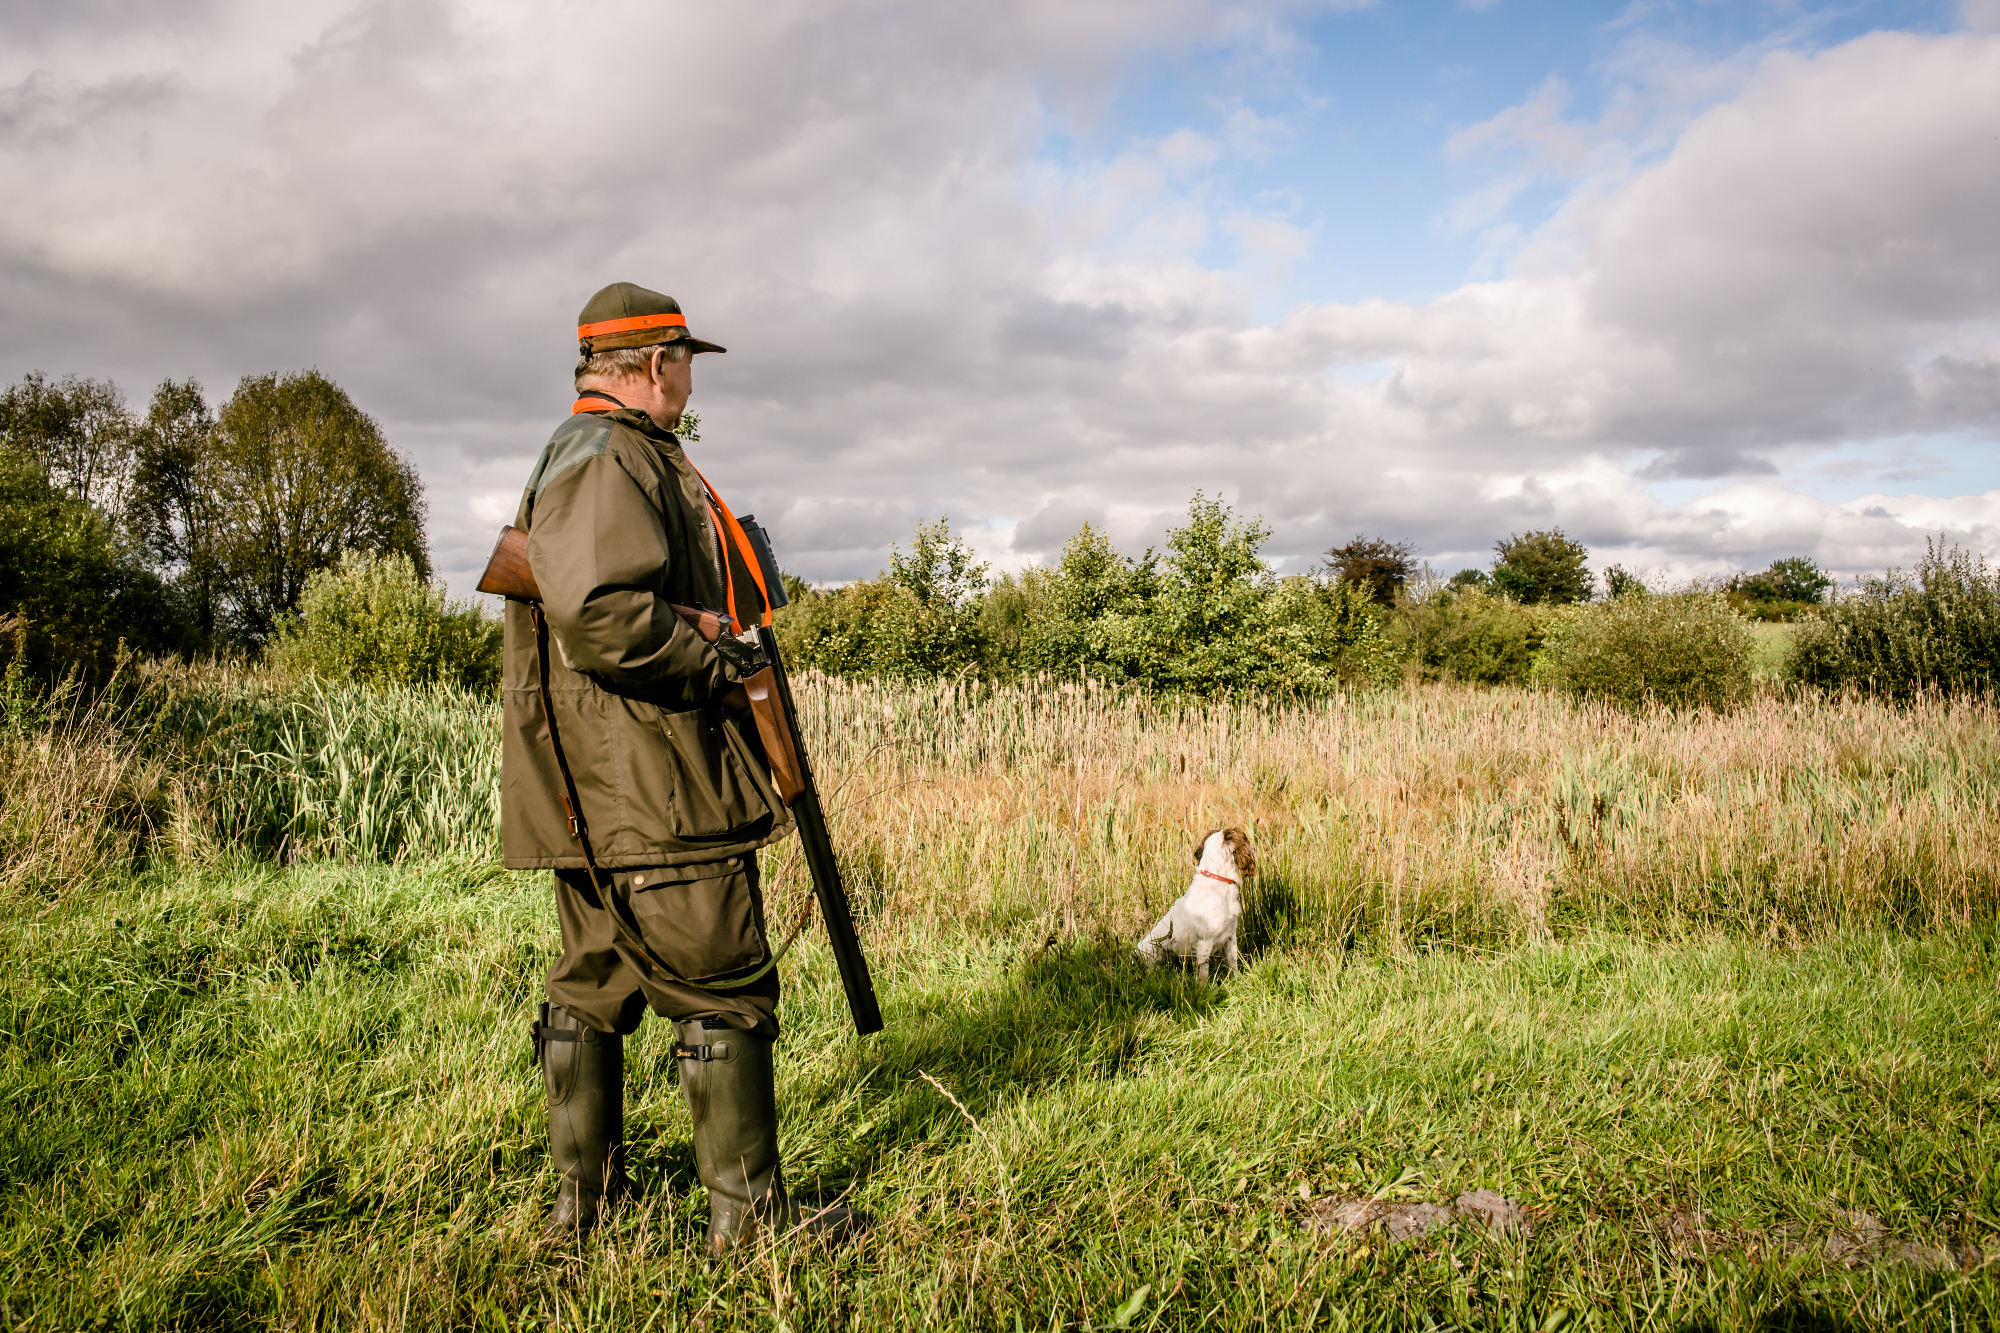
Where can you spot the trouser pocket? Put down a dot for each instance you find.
(702, 922)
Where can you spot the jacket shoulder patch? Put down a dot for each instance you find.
(578, 440)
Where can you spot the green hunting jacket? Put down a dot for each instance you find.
(618, 527)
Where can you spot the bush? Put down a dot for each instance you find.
(1680, 650)
(374, 620)
(1542, 568)
(1900, 634)
(1206, 618)
(924, 617)
(1466, 632)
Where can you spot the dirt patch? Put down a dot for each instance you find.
(1407, 1221)
(1859, 1240)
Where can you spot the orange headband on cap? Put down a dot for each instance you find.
(603, 327)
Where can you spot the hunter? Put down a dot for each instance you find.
(656, 867)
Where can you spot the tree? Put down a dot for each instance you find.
(1375, 565)
(1542, 567)
(175, 508)
(74, 584)
(1622, 582)
(1797, 579)
(939, 582)
(76, 432)
(288, 477)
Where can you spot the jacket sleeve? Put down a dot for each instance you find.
(599, 551)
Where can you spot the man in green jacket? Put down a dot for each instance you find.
(658, 898)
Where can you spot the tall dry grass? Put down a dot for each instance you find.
(1427, 812)
(1430, 812)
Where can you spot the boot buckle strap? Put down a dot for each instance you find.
(543, 1034)
(718, 1051)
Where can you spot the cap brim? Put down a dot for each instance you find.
(697, 345)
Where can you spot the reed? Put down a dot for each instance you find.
(1070, 808)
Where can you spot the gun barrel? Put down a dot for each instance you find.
(818, 845)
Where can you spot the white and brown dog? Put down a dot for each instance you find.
(1204, 918)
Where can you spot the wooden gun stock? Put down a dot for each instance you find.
(509, 575)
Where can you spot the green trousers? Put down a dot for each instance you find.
(681, 924)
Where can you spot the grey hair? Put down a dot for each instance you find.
(627, 361)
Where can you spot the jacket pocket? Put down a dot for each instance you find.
(715, 798)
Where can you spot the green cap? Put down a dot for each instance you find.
(627, 315)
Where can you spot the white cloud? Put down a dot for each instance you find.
(927, 315)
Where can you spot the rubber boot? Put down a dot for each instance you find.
(726, 1076)
(584, 1071)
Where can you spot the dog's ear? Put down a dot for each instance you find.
(1201, 844)
(1241, 850)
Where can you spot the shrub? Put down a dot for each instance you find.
(1795, 580)
(1901, 634)
(923, 617)
(1542, 568)
(1380, 567)
(1091, 613)
(1785, 591)
(1466, 632)
(1681, 650)
(373, 619)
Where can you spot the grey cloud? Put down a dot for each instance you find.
(1702, 463)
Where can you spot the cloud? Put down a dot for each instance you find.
(929, 311)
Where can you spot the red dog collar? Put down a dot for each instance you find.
(1212, 875)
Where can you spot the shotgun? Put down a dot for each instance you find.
(768, 695)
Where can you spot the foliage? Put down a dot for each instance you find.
(1470, 578)
(291, 475)
(1464, 631)
(75, 432)
(1622, 582)
(1902, 634)
(1785, 591)
(1206, 617)
(1797, 579)
(922, 618)
(1682, 650)
(375, 621)
(939, 582)
(1376, 565)
(1091, 613)
(175, 509)
(76, 586)
(1542, 568)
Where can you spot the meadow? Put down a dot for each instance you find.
(1711, 996)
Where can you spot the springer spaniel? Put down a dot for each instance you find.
(1204, 918)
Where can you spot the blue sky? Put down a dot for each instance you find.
(1364, 106)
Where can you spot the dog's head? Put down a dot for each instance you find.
(1238, 844)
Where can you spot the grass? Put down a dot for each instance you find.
(1655, 975)
(304, 1098)
(1771, 640)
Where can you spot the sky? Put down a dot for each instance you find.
(1704, 283)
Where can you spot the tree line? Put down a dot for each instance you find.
(1204, 614)
(187, 527)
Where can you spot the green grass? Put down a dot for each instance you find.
(1771, 642)
(260, 1098)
